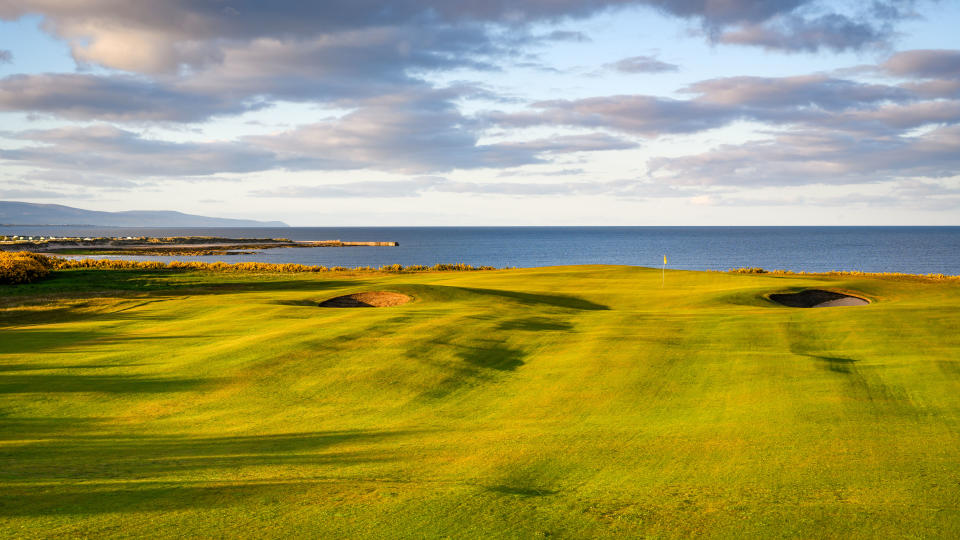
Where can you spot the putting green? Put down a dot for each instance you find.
(554, 402)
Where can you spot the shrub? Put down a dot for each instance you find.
(751, 270)
(251, 267)
(23, 267)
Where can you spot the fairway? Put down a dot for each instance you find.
(569, 402)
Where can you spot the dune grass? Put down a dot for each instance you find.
(555, 402)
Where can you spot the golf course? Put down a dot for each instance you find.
(557, 402)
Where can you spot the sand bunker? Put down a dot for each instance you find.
(814, 298)
(367, 299)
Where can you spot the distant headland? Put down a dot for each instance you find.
(22, 213)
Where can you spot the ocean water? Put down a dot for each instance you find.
(813, 249)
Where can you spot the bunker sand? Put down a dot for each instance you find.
(367, 299)
(817, 298)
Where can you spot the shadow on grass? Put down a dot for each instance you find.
(535, 324)
(300, 303)
(30, 340)
(495, 356)
(41, 303)
(568, 302)
(109, 384)
(835, 363)
(134, 460)
(52, 367)
(137, 497)
(521, 491)
(480, 361)
(168, 282)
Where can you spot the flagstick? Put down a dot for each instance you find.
(663, 273)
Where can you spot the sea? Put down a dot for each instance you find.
(918, 250)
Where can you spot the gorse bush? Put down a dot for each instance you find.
(24, 267)
(251, 267)
(835, 273)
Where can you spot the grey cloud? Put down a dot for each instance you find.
(211, 59)
(33, 194)
(117, 152)
(166, 36)
(810, 100)
(363, 189)
(642, 64)
(115, 98)
(407, 133)
(800, 91)
(415, 132)
(591, 142)
(833, 31)
(415, 187)
(935, 88)
(6, 57)
(813, 157)
(567, 35)
(907, 193)
(894, 118)
(557, 172)
(929, 64)
(645, 115)
(79, 178)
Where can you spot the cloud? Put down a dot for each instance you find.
(806, 101)
(165, 37)
(641, 64)
(643, 115)
(200, 60)
(168, 37)
(417, 132)
(793, 25)
(833, 31)
(798, 91)
(557, 172)
(925, 64)
(565, 144)
(817, 157)
(567, 35)
(113, 98)
(6, 57)
(115, 152)
(415, 187)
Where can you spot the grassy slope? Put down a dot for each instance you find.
(576, 401)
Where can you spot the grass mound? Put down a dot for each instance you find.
(367, 299)
(812, 298)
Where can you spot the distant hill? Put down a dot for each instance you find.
(21, 213)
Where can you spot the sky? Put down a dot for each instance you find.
(521, 112)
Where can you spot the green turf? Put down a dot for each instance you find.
(555, 402)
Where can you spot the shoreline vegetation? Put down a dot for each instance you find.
(27, 267)
(164, 246)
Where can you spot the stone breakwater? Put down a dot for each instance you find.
(178, 245)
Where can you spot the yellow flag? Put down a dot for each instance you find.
(664, 259)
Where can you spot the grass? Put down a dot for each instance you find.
(553, 402)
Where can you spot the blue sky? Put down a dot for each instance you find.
(416, 112)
